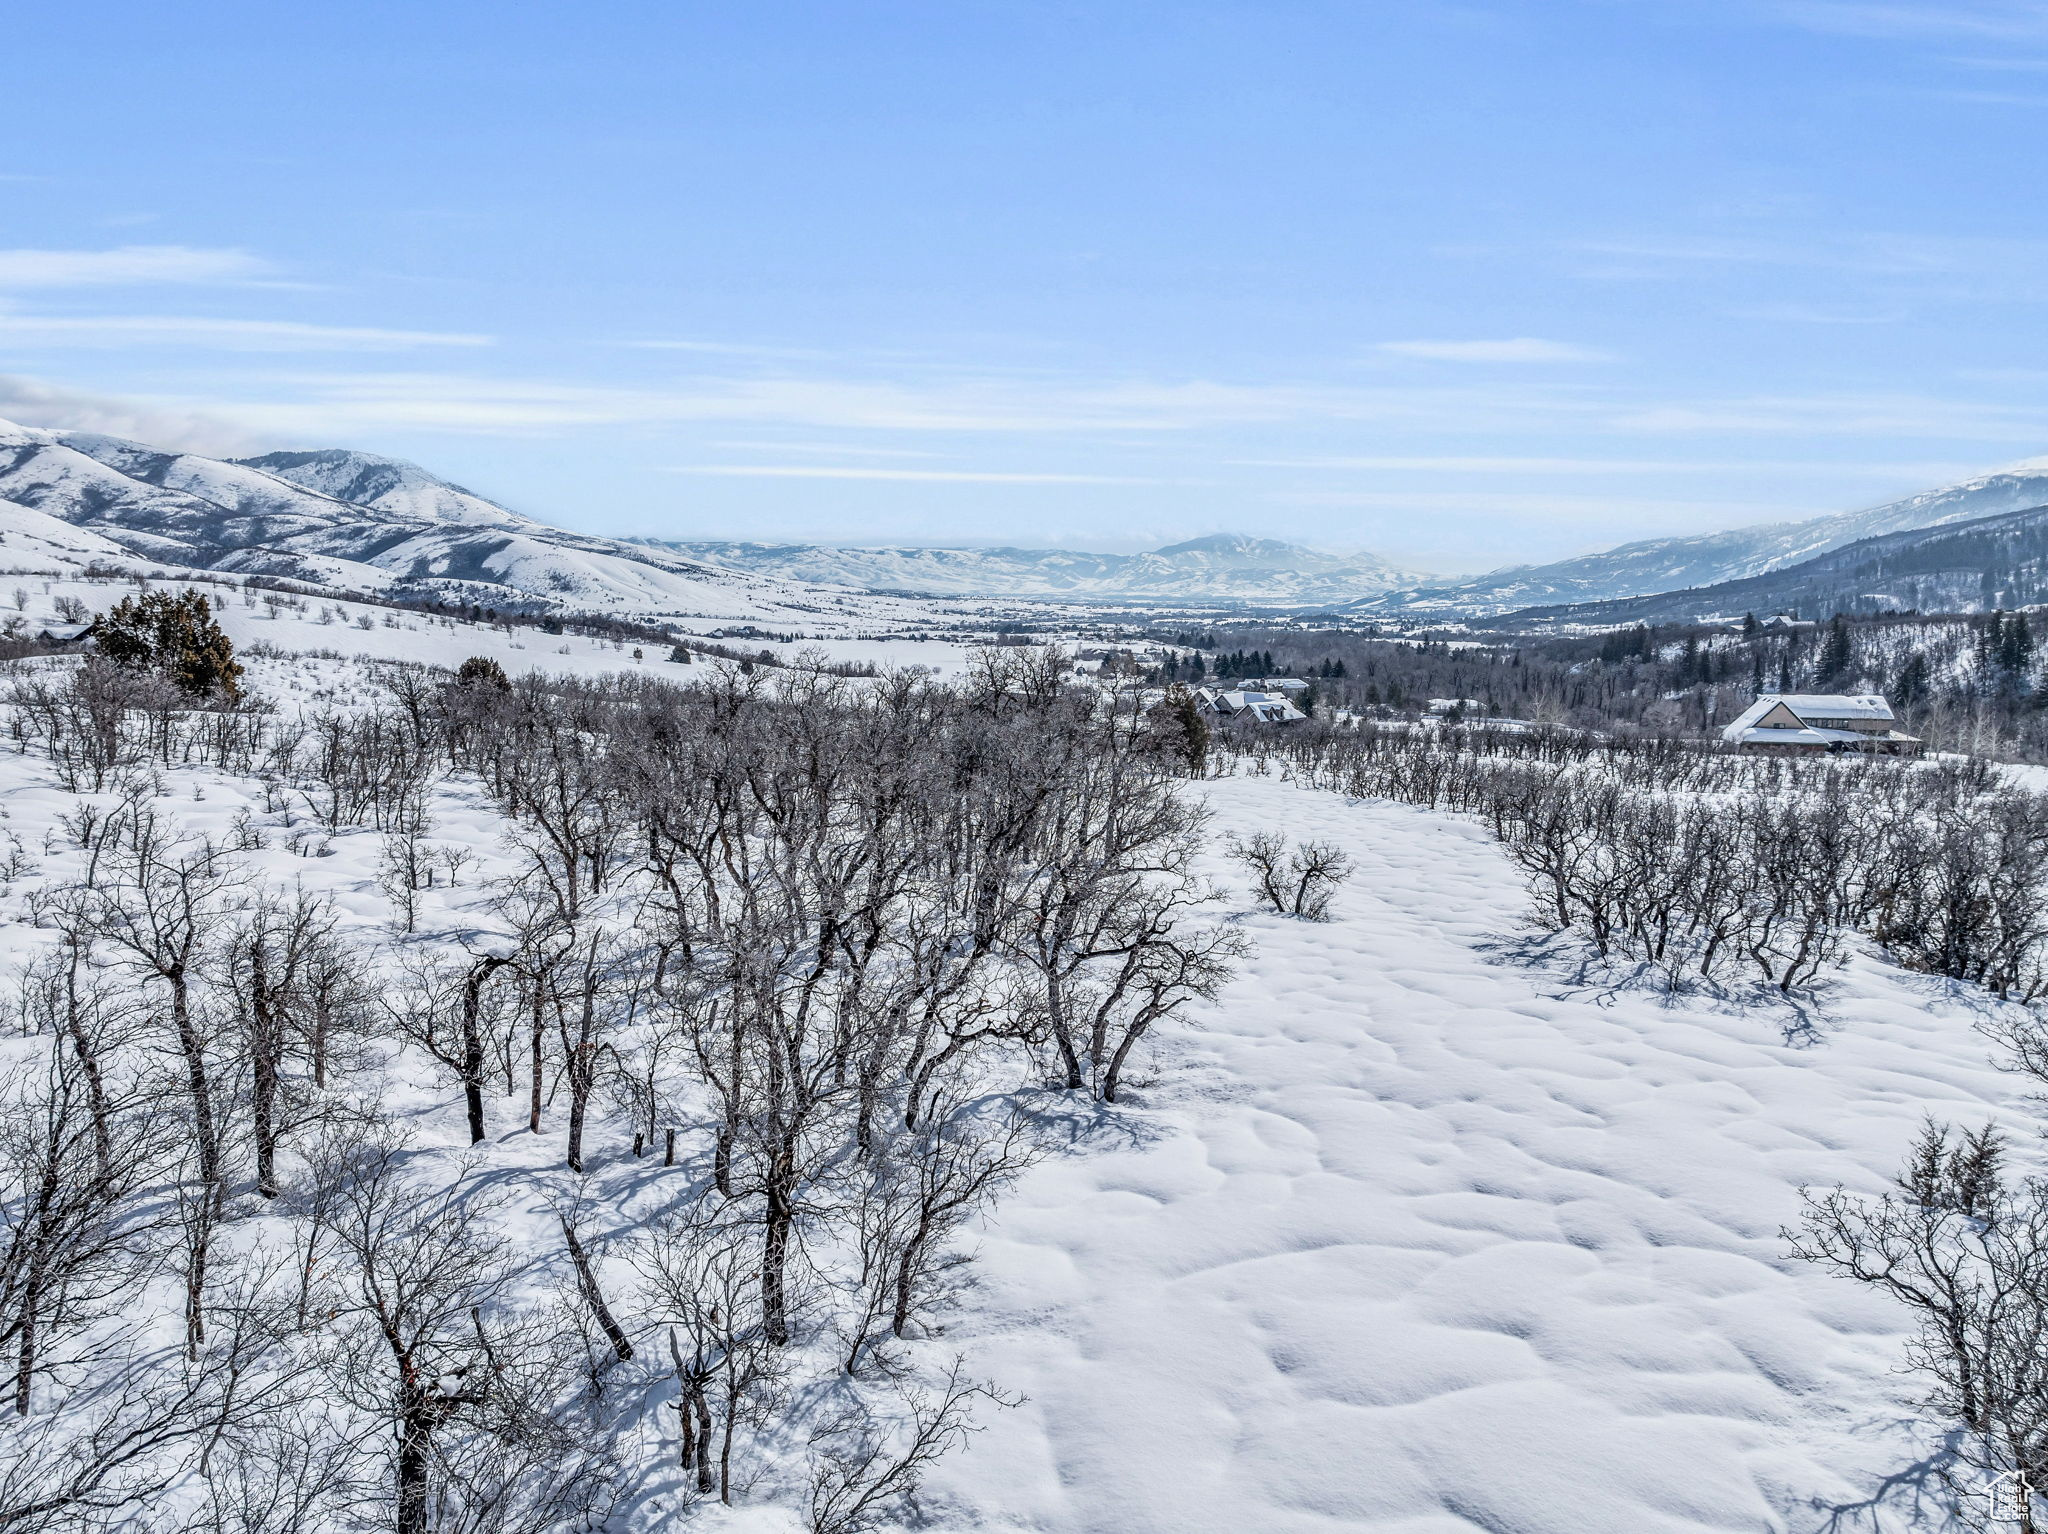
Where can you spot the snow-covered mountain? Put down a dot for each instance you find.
(1953, 567)
(388, 484)
(1707, 559)
(356, 521)
(1222, 567)
(297, 516)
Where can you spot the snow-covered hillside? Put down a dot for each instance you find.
(414, 537)
(351, 521)
(1706, 559)
(387, 484)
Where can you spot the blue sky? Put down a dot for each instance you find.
(1465, 283)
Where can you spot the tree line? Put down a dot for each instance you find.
(1969, 683)
(1710, 866)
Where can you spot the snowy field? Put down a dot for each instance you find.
(1404, 1235)
(368, 632)
(1409, 1238)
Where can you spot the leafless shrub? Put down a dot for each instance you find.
(867, 1467)
(1298, 881)
(1967, 1252)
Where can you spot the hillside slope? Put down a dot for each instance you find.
(414, 537)
(1672, 564)
(387, 484)
(1993, 562)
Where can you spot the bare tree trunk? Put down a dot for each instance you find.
(537, 1036)
(473, 1042)
(205, 1133)
(86, 1051)
(415, 1439)
(593, 1296)
(1062, 1033)
(781, 1217)
(264, 1039)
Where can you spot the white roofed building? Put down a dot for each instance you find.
(1808, 722)
(1265, 707)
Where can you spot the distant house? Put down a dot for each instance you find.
(1263, 707)
(1459, 706)
(67, 635)
(1797, 723)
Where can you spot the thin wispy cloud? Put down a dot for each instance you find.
(1850, 415)
(2005, 20)
(1555, 509)
(1610, 466)
(1521, 349)
(914, 476)
(923, 404)
(1882, 254)
(215, 334)
(337, 405)
(827, 449)
(128, 265)
(31, 402)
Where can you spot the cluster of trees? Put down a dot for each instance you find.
(818, 957)
(1967, 682)
(1193, 670)
(1706, 864)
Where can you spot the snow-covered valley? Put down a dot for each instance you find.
(1408, 1230)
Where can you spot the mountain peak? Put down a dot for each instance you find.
(389, 484)
(1235, 546)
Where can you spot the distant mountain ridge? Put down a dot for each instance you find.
(1220, 567)
(1705, 559)
(286, 515)
(1975, 566)
(351, 521)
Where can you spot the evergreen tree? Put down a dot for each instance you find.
(174, 634)
(1911, 686)
(1182, 730)
(482, 671)
(2015, 645)
(1835, 653)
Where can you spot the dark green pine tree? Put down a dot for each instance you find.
(1911, 685)
(2015, 646)
(1836, 652)
(174, 634)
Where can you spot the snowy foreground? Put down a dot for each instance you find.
(1408, 1234)
(1411, 1238)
